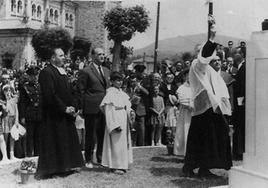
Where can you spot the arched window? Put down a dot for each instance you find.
(13, 5)
(39, 12)
(33, 10)
(51, 14)
(66, 19)
(56, 16)
(19, 7)
(71, 20)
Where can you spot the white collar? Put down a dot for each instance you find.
(60, 69)
(97, 67)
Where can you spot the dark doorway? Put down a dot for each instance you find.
(8, 59)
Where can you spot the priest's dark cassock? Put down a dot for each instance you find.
(59, 148)
(208, 143)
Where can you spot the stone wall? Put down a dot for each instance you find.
(89, 25)
(13, 45)
(89, 22)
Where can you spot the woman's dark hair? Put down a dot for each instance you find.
(116, 76)
(220, 55)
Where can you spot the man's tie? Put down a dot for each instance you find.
(101, 73)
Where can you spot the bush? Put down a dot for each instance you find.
(44, 41)
(81, 48)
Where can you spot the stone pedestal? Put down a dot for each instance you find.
(254, 171)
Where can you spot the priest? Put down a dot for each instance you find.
(208, 143)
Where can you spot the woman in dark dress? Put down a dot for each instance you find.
(208, 143)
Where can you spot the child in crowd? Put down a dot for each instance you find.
(10, 116)
(184, 115)
(117, 149)
(157, 117)
(171, 117)
(80, 128)
(2, 141)
(168, 88)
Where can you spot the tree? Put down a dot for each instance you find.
(45, 40)
(81, 48)
(121, 24)
(125, 54)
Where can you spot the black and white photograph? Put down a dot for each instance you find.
(133, 93)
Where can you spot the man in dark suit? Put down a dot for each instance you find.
(59, 147)
(239, 108)
(93, 82)
(232, 70)
(242, 49)
(139, 102)
(230, 50)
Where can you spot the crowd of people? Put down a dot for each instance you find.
(67, 108)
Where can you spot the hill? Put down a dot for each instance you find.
(176, 45)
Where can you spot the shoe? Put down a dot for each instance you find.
(159, 144)
(205, 173)
(98, 164)
(89, 165)
(119, 172)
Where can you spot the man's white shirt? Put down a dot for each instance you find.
(97, 67)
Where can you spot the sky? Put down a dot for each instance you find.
(236, 18)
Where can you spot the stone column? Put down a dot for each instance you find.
(46, 13)
(28, 7)
(8, 9)
(27, 11)
(254, 171)
(62, 14)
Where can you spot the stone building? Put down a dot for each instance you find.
(19, 19)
